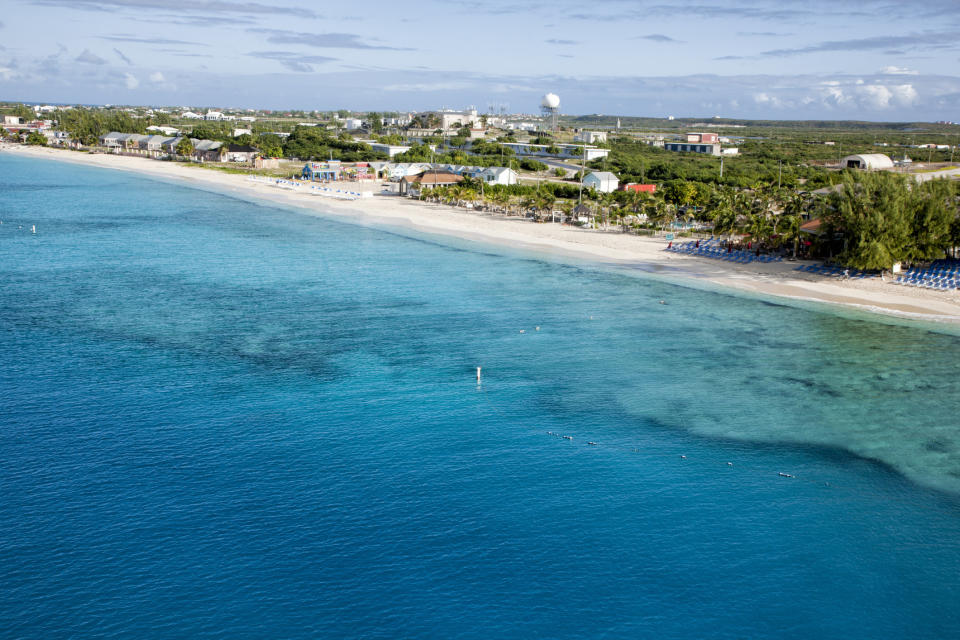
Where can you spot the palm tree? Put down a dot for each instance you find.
(527, 203)
(501, 199)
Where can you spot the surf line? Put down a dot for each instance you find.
(484, 390)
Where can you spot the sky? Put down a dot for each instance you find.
(773, 59)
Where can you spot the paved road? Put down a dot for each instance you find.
(946, 173)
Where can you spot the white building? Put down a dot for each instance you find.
(390, 149)
(242, 132)
(213, 115)
(498, 175)
(167, 131)
(869, 161)
(730, 151)
(591, 137)
(602, 181)
(456, 119)
(248, 118)
(190, 115)
(575, 151)
(352, 123)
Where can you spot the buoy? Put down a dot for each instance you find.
(538, 328)
(523, 330)
(663, 302)
(33, 229)
(478, 375)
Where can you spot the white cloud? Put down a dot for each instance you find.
(765, 98)
(875, 96)
(157, 77)
(898, 71)
(131, 81)
(905, 94)
(879, 96)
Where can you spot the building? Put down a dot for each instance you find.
(167, 131)
(389, 149)
(240, 153)
(398, 171)
(242, 132)
(579, 152)
(11, 120)
(639, 188)
(214, 115)
(456, 119)
(712, 149)
(152, 145)
(321, 172)
(703, 137)
(602, 181)
(867, 161)
(591, 137)
(730, 151)
(412, 186)
(498, 175)
(190, 115)
(170, 145)
(351, 124)
(207, 150)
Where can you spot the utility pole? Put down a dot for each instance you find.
(779, 172)
(721, 167)
(583, 162)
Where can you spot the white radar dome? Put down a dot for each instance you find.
(550, 101)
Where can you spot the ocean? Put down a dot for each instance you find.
(224, 419)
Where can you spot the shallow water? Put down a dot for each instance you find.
(224, 419)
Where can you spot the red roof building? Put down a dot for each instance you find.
(639, 188)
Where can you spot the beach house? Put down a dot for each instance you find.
(601, 181)
(498, 175)
(321, 172)
(240, 153)
(207, 150)
(413, 185)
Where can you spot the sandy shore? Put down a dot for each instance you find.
(773, 279)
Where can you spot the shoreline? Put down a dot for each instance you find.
(777, 280)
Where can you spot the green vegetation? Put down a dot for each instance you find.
(315, 143)
(87, 125)
(882, 219)
(185, 147)
(36, 138)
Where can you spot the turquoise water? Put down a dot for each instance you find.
(223, 419)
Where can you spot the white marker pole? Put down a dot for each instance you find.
(478, 375)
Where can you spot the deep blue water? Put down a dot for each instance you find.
(223, 419)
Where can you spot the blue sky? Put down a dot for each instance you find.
(777, 59)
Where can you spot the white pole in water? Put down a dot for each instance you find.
(33, 229)
(478, 375)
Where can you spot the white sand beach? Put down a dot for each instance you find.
(768, 279)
